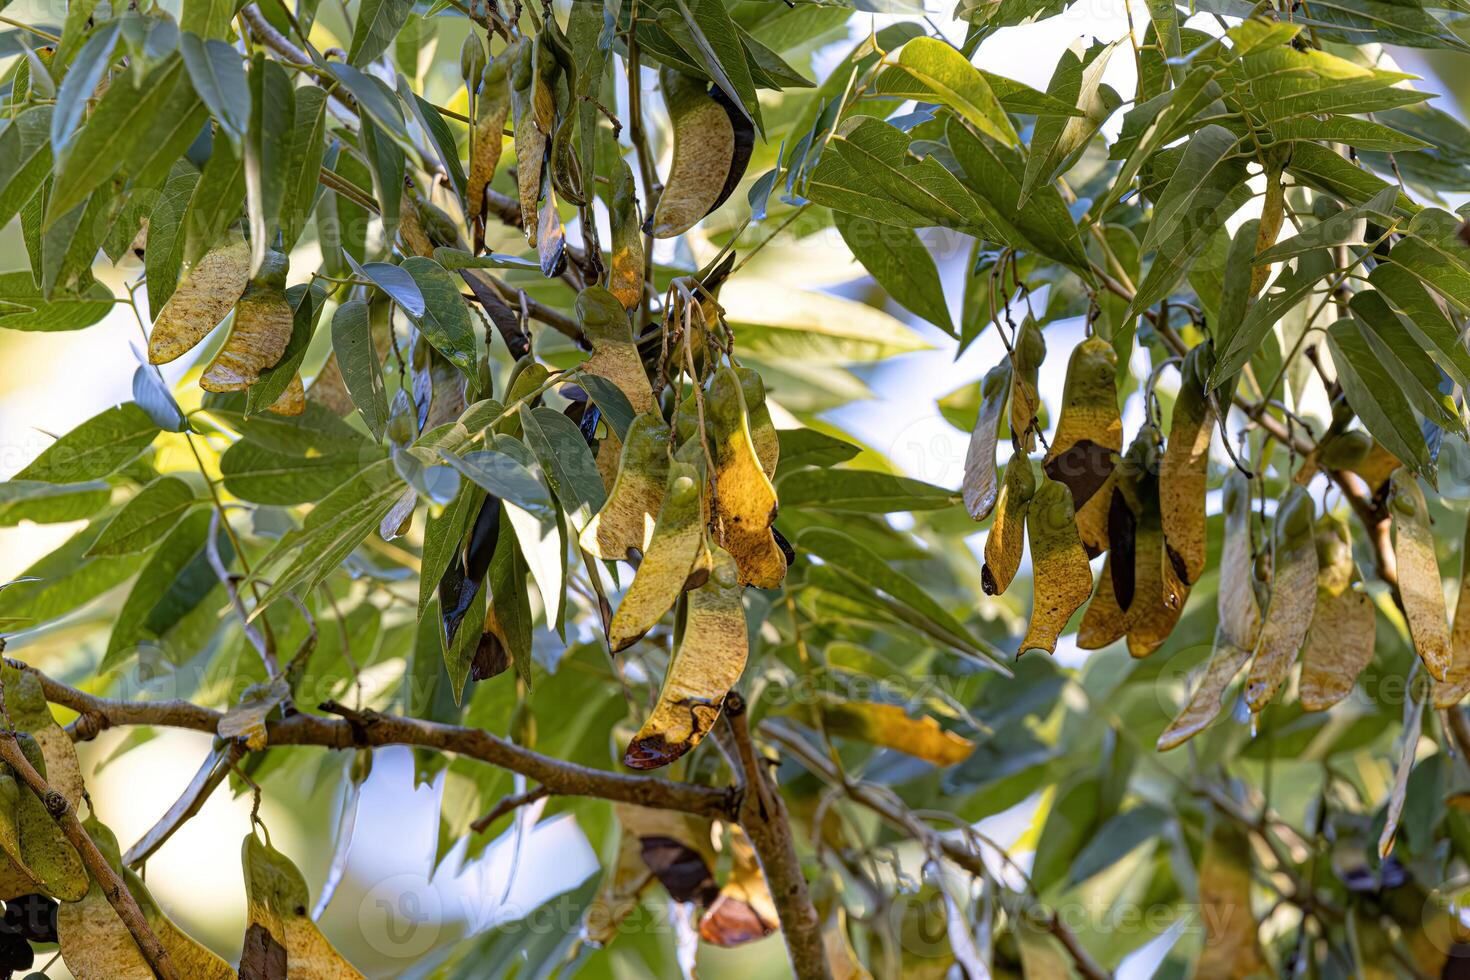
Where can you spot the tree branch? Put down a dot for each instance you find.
(109, 881)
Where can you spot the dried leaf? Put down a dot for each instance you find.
(1006, 540)
(744, 500)
(258, 336)
(278, 902)
(203, 298)
(1293, 598)
(626, 521)
(1419, 582)
(979, 485)
(620, 893)
(1089, 434)
(1026, 358)
(704, 153)
(1205, 702)
(1061, 578)
(1183, 472)
(708, 662)
(676, 847)
(614, 353)
(678, 535)
(890, 726)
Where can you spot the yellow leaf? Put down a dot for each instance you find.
(890, 726)
(744, 500)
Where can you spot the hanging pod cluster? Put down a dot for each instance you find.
(691, 502)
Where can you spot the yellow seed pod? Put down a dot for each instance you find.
(711, 145)
(1185, 467)
(1006, 540)
(625, 267)
(277, 900)
(673, 549)
(980, 485)
(1340, 640)
(762, 430)
(1103, 622)
(259, 334)
(1293, 598)
(890, 726)
(1457, 680)
(1208, 696)
(1239, 608)
(1089, 435)
(204, 297)
(1061, 578)
(1026, 358)
(626, 519)
(1231, 946)
(709, 660)
(1419, 582)
(744, 500)
(614, 352)
(491, 110)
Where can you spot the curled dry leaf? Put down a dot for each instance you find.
(673, 549)
(1293, 598)
(1062, 577)
(1089, 434)
(1418, 568)
(1340, 640)
(625, 275)
(1231, 947)
(709, 660)
(980, 485)
(744, 500)
(626, 521)
(711, 148)
(491, 110)
(890, 726)
(743, 912)
(259, 334)
(614, 353)
(278, 903)
(1026, 357)
(1208, 696)
(1006, 540)
(204, 297)
(1184, 469)
(1457, 679)
(1239, 607)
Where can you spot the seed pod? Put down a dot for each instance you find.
(1104, 621)
(204, 296)
(979, 485)
(1184, 470)
(1089, 434)
(1030, 351)
(277, 898)
(626, 521)
(744, 500)
(1293, 598)
(471, 59)
(1231, 946)
(763, 437)
(491, 110)
(292, 401)
(673, 550)
(676, 848)
(712, 146)
(1152, 600)
(1346, 450)
(551, 236)
(1419, 582)
(620, 892)
(1061, 579)
(709, 660)
(625, 273)
(1205, 702)
(614, 352)
(890, 726)
(259, 334)
(1340, 640)
(1457, 680)
(49, 864)
(533, 107)
(744, 911)
(1006, 540)
(1239, 608)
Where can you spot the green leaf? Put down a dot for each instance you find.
(86, 70)
(378, 23)
(23, 308)
(264, 476)
(25, 159)
(213, 208)
(808, 447)
(164, 257)
(1424, 316)
(208, 18)
(51, 503)
(218, 75)
(308, 148)
(267, 153)
(931, 70)
(720, 52)
(900, 263)
(64, 580)
(164, 571)
(784, 322)
(1374, 394)
(445, 321)
(1401, 354)
(567, 462)
(395, 281)
(95, 449)
(1290, 287)
(151, 514)
(1433, 253)
(357, 357)
(861, 491)
(443, 536)
(1346, 227)
(610, 400)
(1057, 141)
